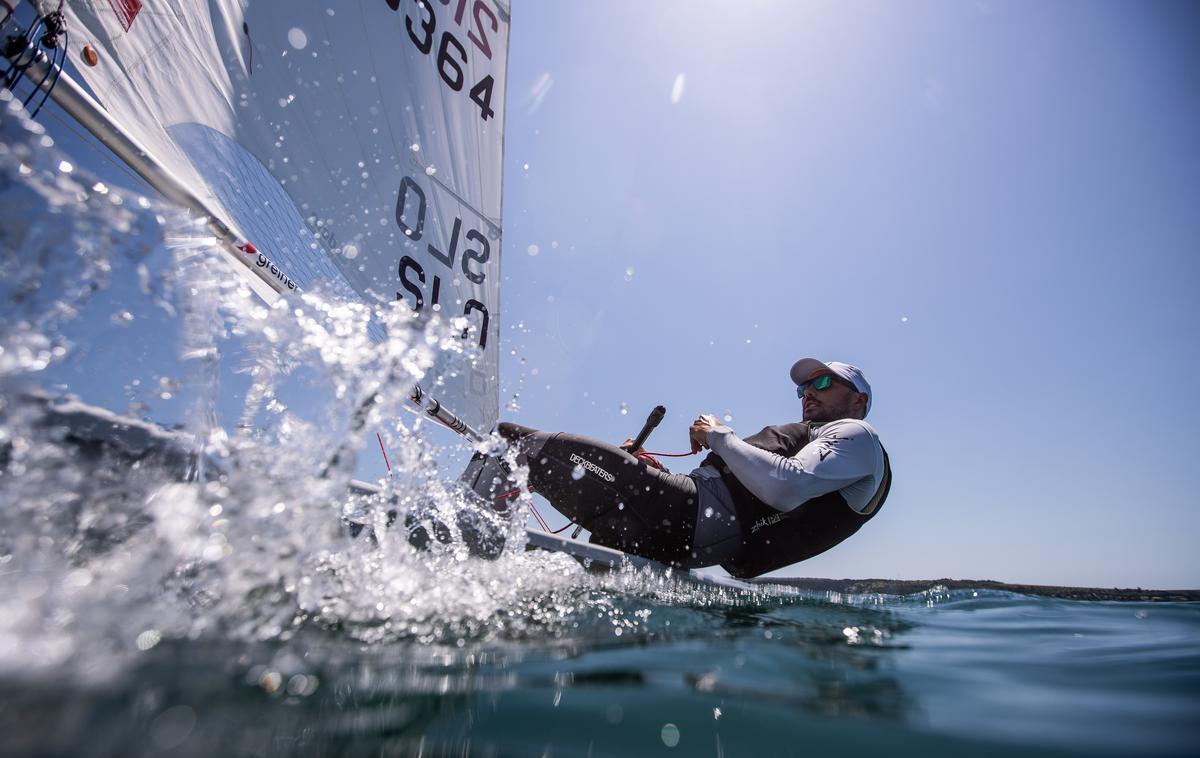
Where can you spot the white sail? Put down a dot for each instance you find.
(357, 145)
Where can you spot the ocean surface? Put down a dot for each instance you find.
(214, 604)
(636, 667)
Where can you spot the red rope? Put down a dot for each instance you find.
(669, 455)
(541, 521)
(385, 458)
(545, 526)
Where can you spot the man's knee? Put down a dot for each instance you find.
(514, 432)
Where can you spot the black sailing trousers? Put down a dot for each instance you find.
(625, 503)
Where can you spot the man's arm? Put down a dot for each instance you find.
(842, 453)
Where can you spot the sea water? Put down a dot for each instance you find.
(222, 608)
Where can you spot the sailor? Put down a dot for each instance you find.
(754, 505)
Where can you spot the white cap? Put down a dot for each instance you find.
(804, 368)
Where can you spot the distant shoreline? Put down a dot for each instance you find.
(910, 587)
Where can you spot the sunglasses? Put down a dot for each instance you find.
(822, 382)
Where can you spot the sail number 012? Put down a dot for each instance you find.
(451, 54)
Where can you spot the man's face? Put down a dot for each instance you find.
(838, 400)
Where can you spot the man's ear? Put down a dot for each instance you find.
(860, 405)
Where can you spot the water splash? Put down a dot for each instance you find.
(212, 502)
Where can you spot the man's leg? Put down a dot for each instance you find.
(624, 503)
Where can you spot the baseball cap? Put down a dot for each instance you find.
(804, 368)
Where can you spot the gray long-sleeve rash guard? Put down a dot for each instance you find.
(843, 455)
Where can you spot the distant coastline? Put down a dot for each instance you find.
(910, 587)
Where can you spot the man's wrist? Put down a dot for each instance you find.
(717, 434)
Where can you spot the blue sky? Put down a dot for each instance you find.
(990, 207)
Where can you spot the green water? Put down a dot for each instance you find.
(958, 673)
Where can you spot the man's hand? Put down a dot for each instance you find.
(642, 455)
(698, 431)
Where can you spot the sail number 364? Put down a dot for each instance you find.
(451, 54)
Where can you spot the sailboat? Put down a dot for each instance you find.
(357, 147)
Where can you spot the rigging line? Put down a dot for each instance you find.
(53, 70)
(38, 87)
(538, 516)
(103, 152)
(386, 462)
(17, 66)
(541, 521)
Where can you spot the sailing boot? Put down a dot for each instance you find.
(482, 520)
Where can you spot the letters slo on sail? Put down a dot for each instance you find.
(358, 145)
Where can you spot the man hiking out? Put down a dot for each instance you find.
(754, 505)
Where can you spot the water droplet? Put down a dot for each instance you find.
(414, 147)
(172, 727)
(577, 472)
(533, 250)
(670, 735)
(148, 639)
(350, 251)
(629, 274)
(430, 171)
(65, 167)
(624, 408)
(904, 319)
(270, 681)
(297, 38)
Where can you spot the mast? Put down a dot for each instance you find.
(82, 107)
